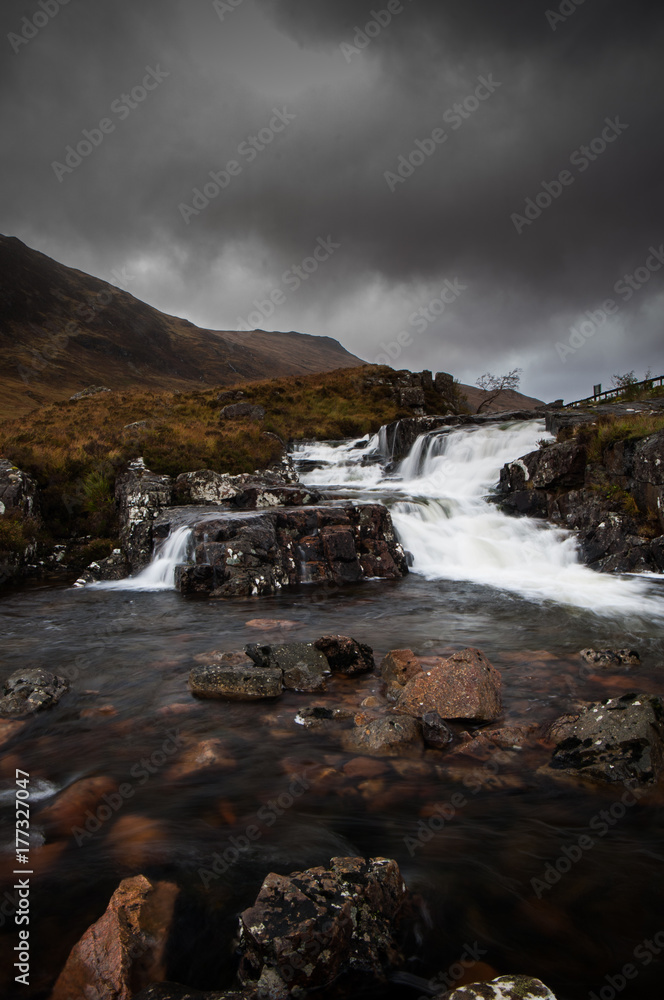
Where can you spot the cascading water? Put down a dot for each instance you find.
(438, 500)
(160, 574)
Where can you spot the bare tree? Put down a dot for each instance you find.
(493, 385)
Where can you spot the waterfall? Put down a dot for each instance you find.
(160, 573)
(443, 517)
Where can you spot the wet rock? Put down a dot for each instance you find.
(315, 716)
(91, 390)
(503, 988)
(141, 495)
(619, 740)
(256, 553)
(304, 667)
(435, 731)
(232, 682)
(388, 736)
(124, 950)
(264, 496)
(611, 657)
(346, 656)
(114, 567)
(399, 667)
(205, 486)
(18, 492)
(242, 411)
(28, 691)
(553, 467)
(465, 686)
(308, 928)
(205, 755)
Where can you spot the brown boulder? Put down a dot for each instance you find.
(399, 667)
(465, 686)
(123, 952)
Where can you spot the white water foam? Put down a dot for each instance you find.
(160, 574)
(444, 520)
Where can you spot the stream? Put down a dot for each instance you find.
(511, 586)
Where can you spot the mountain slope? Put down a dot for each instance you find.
(62, 330)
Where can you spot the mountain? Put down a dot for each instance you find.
(62, 330)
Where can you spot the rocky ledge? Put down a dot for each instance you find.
(616, 507)
(259, 552)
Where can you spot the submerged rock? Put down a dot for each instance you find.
(173, 991)
(611, 657)
(29, 691)
(346, 656)
(125, 949)
(308, 928)
(388, 737)
(465, 686)
(619, 740)
(233, 681)
(503, 988)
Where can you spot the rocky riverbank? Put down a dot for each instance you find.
(610, 492)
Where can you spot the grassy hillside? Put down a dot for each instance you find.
(62, 330)
(74, 450)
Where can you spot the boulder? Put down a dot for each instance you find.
(114, 567)
(465, 686)
(92, 390)
(616, 741)
(387, 737)
(28, 691)
(205, 486)
(308, 928)
(232, 681)
(242, 411)
(262, 495)
(141, 495)
(255, 553)
(124, 951)
(553, 467)
(397, 668)
(503, 988)
(18, 492)
(346, 656)
(303, 666)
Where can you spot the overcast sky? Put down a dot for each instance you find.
(446, 264)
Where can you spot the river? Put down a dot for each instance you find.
(512, 587)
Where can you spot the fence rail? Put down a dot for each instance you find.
(648, 383)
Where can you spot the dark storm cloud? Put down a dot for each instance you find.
(358, 115)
